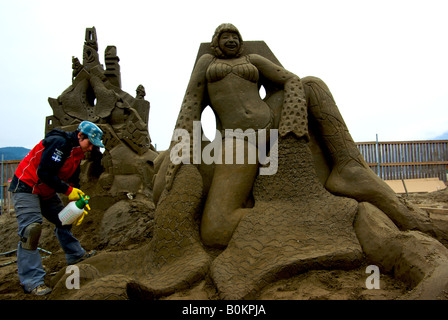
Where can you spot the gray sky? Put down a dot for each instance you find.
(385, 62)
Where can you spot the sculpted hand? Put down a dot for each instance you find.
(170, 174)
(176, 160)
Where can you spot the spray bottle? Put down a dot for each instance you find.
(73, 210)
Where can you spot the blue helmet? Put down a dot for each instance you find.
(92, 131)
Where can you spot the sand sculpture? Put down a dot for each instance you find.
(322, 209)
(125, 168)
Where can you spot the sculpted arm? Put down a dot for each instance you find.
(190, 111)
(294, 111)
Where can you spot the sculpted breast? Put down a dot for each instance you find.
(219, 70)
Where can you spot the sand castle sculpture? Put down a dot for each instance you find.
(241, 230)
(125, 167)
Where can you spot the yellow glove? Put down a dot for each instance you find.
(75, 194)
(81, 217)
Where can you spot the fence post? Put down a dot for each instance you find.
(378, 159)
(3, 188)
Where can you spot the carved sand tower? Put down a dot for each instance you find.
(125, 167)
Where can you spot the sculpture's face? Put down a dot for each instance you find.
(229, 43)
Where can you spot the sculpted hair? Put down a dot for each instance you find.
(225, 27)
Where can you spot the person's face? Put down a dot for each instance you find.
(229, 43)
(85, 144)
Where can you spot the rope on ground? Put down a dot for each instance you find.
(8, 252)
(14, 261)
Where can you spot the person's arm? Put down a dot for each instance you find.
(294, 116)
(53, 158)
(74, 179)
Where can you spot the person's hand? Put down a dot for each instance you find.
(81, 217)
(75, 194)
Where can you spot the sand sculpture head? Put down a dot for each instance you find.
(216, 43)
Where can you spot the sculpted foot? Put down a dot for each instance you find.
(356, 180)
(218, 231)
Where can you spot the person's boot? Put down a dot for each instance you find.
(41, 290)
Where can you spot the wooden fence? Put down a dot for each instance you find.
(407, 159)
(7, 172)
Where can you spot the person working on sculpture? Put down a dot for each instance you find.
(231, 82)
(51, 167)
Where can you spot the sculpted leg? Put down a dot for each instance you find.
(350, 175)
(230, 188)
(413, 257)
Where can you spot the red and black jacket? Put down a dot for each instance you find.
(51, 167)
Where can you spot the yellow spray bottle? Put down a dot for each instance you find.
(73, 210)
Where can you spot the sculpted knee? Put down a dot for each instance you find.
(314, 81)
(316, 91)
(31, 235)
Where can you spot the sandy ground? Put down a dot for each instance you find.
(131, 228)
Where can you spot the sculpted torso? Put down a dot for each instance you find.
(244, 108)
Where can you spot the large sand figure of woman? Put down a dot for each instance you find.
(229, 81)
